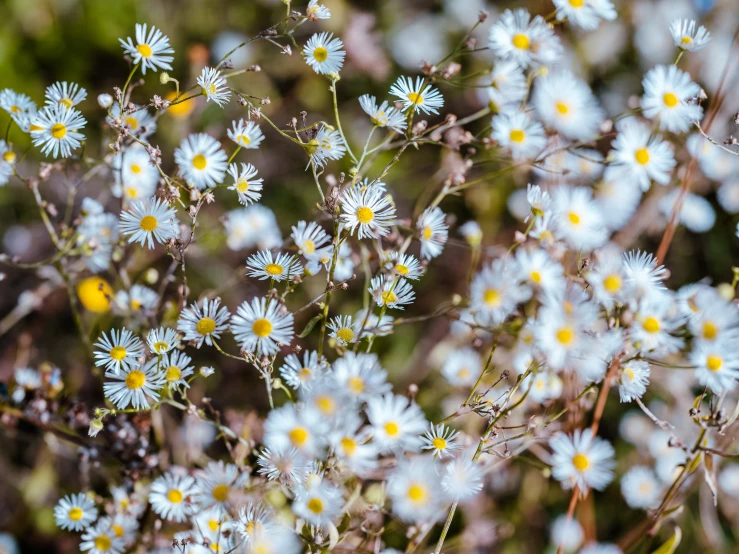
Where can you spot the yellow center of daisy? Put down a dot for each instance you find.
(417, 493)
(365, 215)
(349, 446)
(309, 247)
(521, 41)
(670, 100)
(273, 269)
(9, 156)
(315, 505)
(135, 379)
(562, 108)
(206, 326)
(243, 139)
(535, 276)
(199, 161)
(75, 514)
(392, 429)
(686, 40)
(304, 374)
(174, 496)
(345, 334)
(517, 135)
(262, 327)
(710, 330)
(213, 524)
(388, 297)
(356, 385)
(629, 373)
(612, 283)
(58, 130)
(148, 223)
(102, 543)
(144, 50)
(298, 436)
(135, 304)
(566, 335)
(220, 493)
(173, 374)
(117, 530)
(118, 353)
(66, 102)
(642, 156)
(651, 325)
(242, 186)
(161, 346)
(415, 97)
(400, 268)
(492, 298)
(326, 405)
(427, 232)
(577, 3)
(320, 54)
(580, 461)
(15, 109)
(574, 218)
(714, 362)
(439, 443)
(136, 168)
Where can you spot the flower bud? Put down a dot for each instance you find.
(105, 100)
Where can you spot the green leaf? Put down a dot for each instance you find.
(671, 545)
(309, 326)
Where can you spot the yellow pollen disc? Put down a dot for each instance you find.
(132, 192)
(562, 108)
(400, 268)
(15, 109)
(415, 98)
(612, 283)
(517, 135)
(356, 385)
(521, 41)
(117, 530)
(102, 543)
(135, 380)
(199, 161)
(388, 297)
(670, 100)
(709, 330)
(132, 122)
(243, 139)
(714, 362)
(118, 353)
(66, 102)
(262, 327)
(215, 547)
(365, 215)
(174, 496)
(535, 276)
(9, 157)
(651, 325)
(349, 446)
(417, 493)
(568, 306)
(642, 156)
(315, 505)
(391, 428)
(75, 514)
(427, 232)
(574, 218)
(213, 525)
(212, 88)
(577, 3)
(492, 298)
(206, 326)
(35, 128)
(320, 54)
(58, 131)
(629, 373)
(439, 443)
(580, 461)
(220, 492)
(95, 294)
(309, 247)
(565, 335)
(304, 374)
(173, 374)
(686, 40)
(136, 168)
(242, 186)
(144, 50)
(326, 405)
(298, 436)
(345, 334)
(149, 223)
(274, 269)
(463, 373)
(161, 346)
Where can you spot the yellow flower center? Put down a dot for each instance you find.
(298, 436)
(521, 41)
(136, 168)
(206, 326)
(686, 40)
(118, 353)
(9, 157)
(612, 283)
(149, 223)
(562, 108)
(439, 443)
(535, 276)
(213, 524)
(161, 346)
(309, 247)
(315, 505)
(580, 461)
(427, 232)
(174, 496)
(132, 122)
(651, 325)
(710, 330)
(262, 327)
(242, 186)
(220, 492)
(565, 336)
(102, 543)
(118, 530)
(95, 294)
(574, 218)
(577, 3)
(199, 161)
(349, 446)
(517, 135)
(714, 362)
(326, 405)
(392, 429)
(135, 379)
(345, 334)
(274, 269)
(629, 373)
(417, 493)
(58, 130)
(304, 374)
(400, 268)
(243, 139)
(144, 50)
(173, 374)
(15, 109)
(388, 297)
(356, 385)
(320, 54)
(492, 298)
(415, 97)
(75, 514)
(365, 215)
(670, 100)
(642, 156)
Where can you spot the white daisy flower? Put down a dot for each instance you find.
(716, 366)
(538, 270)
(281, 267)
(326, 145)
(618, 201)
(384, 115)
(472, 233)
(397, 423)
(670, 97)
(542, 386)
(433, 232)
(654, 320)
(314, 10)
(441, 440)
(634, 380)
(585, 13)
(696, 213)
(567, 533)
(216, 485)
(413, 488)
(75, 512)
(139, 300)
(246, 134)
(640, 488)
(642, 275)
(728, 480)
(214, 86)
(405, 265)
(261, 327)
(686, 37)
(138, 122)
(350, 444)
(517, 132)
(538, 199)
(567, 105)
(119, 351)
(136, 178)
(462, 479)
(149, 220)
(370, 211)
(638, 156)
(462, 367)
(344, 329)
(176, 367)
(528, 42)
(391, 292)
(132, 386)
(299, 374)
(151, 49)
(54, 129)
(170, 496)
(309, 238)
(727, 195)
(494, 293)
(20, 107)
(576, 218)
(606, 279)
(582, 460)
(360, 375)
(68, 94)
(303, 429)
(318, 505)
(421, 97)
(252, 226)
(324, 53)
(246, 186)
(201, 161)
(162, 340)
(284, 464)
(7, 162)
(203, 324)
(101, 538)
(508, 86)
